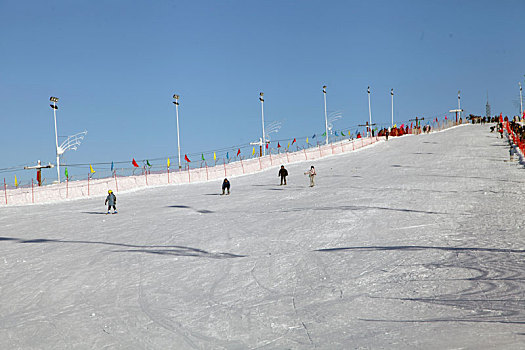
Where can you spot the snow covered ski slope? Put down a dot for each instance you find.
(416, 243)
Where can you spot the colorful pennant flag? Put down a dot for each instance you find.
(278, 145)
(187, 159)
(134, 163)
(294, 141)
(91, 169)
(169, 162)
(238, 152)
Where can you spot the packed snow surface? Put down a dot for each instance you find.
(416, 243)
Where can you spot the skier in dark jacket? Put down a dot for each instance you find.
(226, 186)
(283, 173)
(111, 201)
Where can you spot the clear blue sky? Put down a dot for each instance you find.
(116, 64)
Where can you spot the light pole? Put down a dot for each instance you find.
(325, 116)
(176, 103)
(521, 102)
(263, 143)
(55, 107)
(459, 104)
(392, 94)
(369, 112)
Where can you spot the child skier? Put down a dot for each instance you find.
(311, 173)
(111, 201)
(283, 173)
(226, 186)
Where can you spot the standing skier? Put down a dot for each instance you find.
(311, 173)
(111, 201)
(226, 186)
(511, 153)
(283, 173)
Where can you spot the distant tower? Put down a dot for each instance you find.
(487, 107)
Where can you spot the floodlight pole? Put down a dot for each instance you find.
(325, 115)
(176, 103)
(392, 94)
(54, 106)
(369, 112)
(521, 102)
(459, 105)
(261, 98)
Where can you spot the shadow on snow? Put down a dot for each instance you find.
(150, 249)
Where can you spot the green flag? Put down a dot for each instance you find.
(342, 134)
(147, 162)
(203, 156)
(324, 133)
(67, 174)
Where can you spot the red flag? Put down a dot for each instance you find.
(239, 152)
(134, 163)
(187, 159)
(411, 125)
(278, 145)
(445, 117)
(293, 141)
(267, 143)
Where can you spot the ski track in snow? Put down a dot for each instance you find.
(413, 243)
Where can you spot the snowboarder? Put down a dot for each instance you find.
(111, 201)
(311, 173)
(283, 173)
(226, 186)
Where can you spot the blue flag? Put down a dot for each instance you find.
(313, 136)
(111, 166)
(227, 155)
(336, 134)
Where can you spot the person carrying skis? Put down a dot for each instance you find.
(111, 201)
(226, 186)
(311, 173)
(283, 173)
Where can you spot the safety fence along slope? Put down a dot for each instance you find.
(90, 187)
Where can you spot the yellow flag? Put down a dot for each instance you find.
(214, 156)
(16, 182)
(168, 162)
(307, 140)
(253, 151)
(288, 145)
(91, 169)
